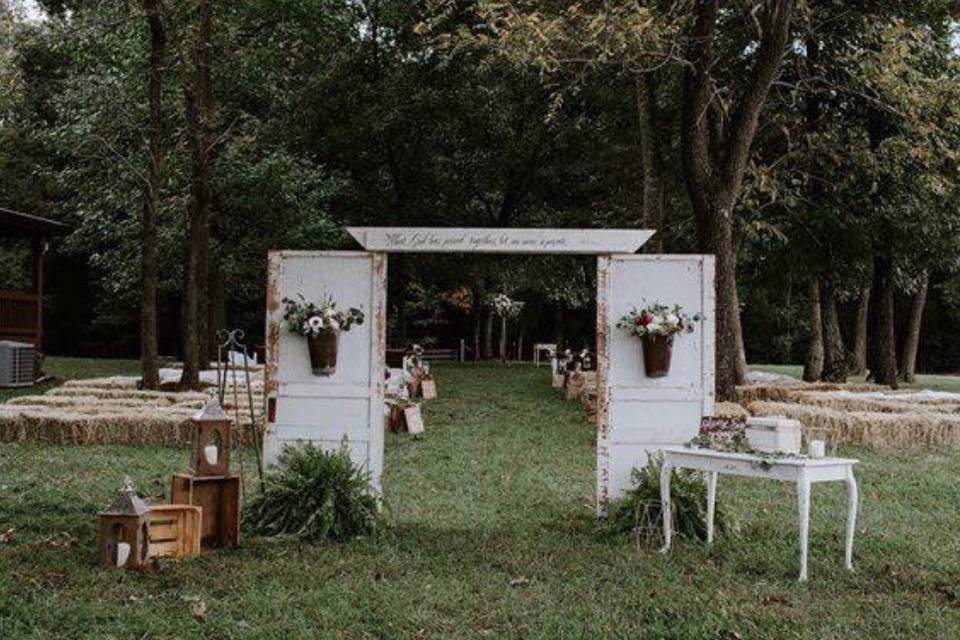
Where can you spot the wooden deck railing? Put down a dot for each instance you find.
(19, 313)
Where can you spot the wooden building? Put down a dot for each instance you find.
(21, 312)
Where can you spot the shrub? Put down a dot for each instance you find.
(314, 495)
(640, 512)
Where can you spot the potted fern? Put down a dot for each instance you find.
(656, 325)
(321, 324)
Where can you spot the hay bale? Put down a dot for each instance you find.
(871, 429)
(579, 382)
(730, 411)
(746, 394)
(589, 399)
(875, 403)
(90, 426)
(167, 397)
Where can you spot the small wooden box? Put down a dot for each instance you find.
(219, 499)
(774, 435)
(428, 389)
(174, 530)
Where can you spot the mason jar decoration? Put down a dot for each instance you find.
(321, 324)
(656, 326)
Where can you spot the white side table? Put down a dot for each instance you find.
(802, 471)
(540, 347)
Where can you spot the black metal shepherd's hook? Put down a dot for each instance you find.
(233, 342)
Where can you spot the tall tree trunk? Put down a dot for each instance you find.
(398, 270)
(715, 154)
(151, 197)
(503, 339)
(198, 102)
(858, 357)
(813, 367)
(653, 187)
(834, 351)
(908, 364)
(488, 336)
(885, 365)
(558, 336)
(216, 311)
(477, 322)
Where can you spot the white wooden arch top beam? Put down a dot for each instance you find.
(500, 240)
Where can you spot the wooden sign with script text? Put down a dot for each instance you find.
(480, 240)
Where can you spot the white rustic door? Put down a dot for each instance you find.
(346, 407)
(637, 414)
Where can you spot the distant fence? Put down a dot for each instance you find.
(458, 354)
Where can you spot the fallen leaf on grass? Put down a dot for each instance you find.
(200, 611)
(775, 599)
(519, 582)
(6, 536)
(56, 578)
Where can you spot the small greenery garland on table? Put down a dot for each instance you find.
(729, 436)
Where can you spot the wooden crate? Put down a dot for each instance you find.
(219, 497)
(174, 531)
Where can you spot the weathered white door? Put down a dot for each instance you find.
(348, 405)
(637, 414)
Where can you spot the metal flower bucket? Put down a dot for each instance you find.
(323, 352)
(657, 352)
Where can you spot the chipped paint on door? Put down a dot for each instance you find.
(346, 408)
(637, 414)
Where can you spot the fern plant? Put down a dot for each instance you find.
(315, 495)
(640, 511)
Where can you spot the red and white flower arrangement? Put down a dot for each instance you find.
(658, 320)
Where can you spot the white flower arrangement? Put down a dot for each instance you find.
(312, 319)
(505, 307)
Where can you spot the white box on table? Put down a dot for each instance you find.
(774, 434)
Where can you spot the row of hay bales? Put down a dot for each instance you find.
(861, 414)
(107, 411)
(845, 414)
(582, 386)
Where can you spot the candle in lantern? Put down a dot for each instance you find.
(123, 553)
(817, 448)
(210, 452)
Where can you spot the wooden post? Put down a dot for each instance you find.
(38, 250)
(463, 350)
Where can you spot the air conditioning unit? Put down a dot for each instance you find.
(16, 364)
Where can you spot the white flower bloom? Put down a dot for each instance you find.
(333, 325)
(653, 328)
(673, 319)
(316, 323)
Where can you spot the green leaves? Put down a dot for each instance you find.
(316, 496)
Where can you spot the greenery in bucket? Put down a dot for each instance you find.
(640, 512)
(307, 318)
(315, 495)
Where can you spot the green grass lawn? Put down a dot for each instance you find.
(924, 381)
(501, 487)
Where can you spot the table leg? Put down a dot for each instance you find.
(803, 499)
(711, 503)
(665, 472)
(853, 499)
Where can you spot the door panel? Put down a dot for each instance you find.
(637, 414)
(346, 407)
